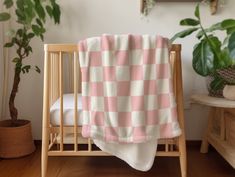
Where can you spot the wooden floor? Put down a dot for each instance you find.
(199, 165)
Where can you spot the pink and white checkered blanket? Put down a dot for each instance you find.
(127, 90)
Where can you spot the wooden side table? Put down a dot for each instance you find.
(220, 132)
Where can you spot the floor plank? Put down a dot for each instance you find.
(199, 165)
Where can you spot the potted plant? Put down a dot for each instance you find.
(30, 17)
(211, 57)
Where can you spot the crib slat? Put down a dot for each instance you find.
(166, 147)
(75, 100)
(61, 101)
(89, 145)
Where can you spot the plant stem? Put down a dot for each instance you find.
(12, 108)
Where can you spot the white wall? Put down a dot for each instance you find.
(86, 18)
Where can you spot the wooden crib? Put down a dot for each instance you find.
(57, 138)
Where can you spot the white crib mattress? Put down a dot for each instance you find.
(68, 103)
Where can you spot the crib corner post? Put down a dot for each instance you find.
(45, 120)
(180, 107)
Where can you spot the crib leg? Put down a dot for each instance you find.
(183, 155)
(44, 156)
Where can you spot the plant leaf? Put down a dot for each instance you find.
(30, 35)
(183, 33)
(216, 26)
(228, 23)
(203, 58)
(215, 42)
(215, 46)
(4, 16)
(37, 69)
(26, 68)
(189, 22)
(197, 12)
(39, 22)
(55, 11)
(213, 28)
(226, 59)
(40, 10)
(15, 60)
(8, 3)
(38, 30)
(10, 44)
(49, 11)
(41, 37)
(231, 45)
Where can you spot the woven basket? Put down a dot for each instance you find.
(227, 74)
(212, 92)
(16, 141)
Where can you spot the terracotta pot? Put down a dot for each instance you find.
(17, 140)
(229, 92)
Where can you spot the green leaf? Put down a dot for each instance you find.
(27, 50)
(21, 16)
(230, 31)
(184, 33)
(20, 32)
(39, 22)
(15, 60)
(215, 42)
(38, 30)
(228, 23)
(10, 44)
(226, 40)
(213, 28)
(225, 59)
(215, 46)
(231, 45)
(216, 26)
(197, 12)
(4, 16)
(31, 35)
(20, 4)
(8, 3)
(56, 12)
(26, 68)
(41, 37)
(49, 11)
(189, 22)
(40, 10)
(203, 58)
(37, 69)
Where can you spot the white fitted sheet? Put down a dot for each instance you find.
(68, 110)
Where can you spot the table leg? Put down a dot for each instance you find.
(205, 143)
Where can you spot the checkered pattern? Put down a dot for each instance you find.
(126, 88)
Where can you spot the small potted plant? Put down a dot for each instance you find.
(30, 17)
(211, 57)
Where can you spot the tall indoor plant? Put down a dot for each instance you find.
(211, 57)
(30, 17)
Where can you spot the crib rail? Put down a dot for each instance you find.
(64, 140)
